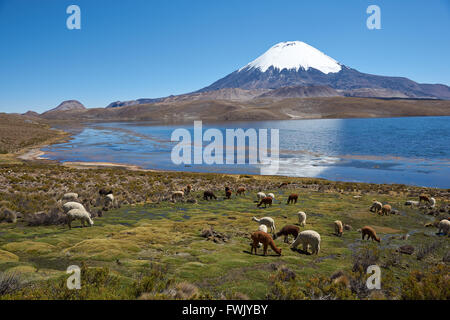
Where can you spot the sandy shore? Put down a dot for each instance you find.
(94, 165)
(33, 154)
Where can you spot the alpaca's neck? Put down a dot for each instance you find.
(272, 245)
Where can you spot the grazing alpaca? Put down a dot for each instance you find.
(266, 240)
(228, 194)
(411, 203)
(308, 237)
(338, 228)
(376, 206)
(283, 184)
(271, 195)
(208, 195)
(301, 218)
(268, 221)
(286, 231)
(240, 190)
(266, 201)
(385, 210)
(227, 189)
(72, 205)
(424, 197)
(77, 214)
(444, 226)
(177, 195)
(370, 232)
(292, 198)
(432, 202)
(260, 195)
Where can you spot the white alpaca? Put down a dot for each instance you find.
(271, 195)
(72, 205)
(411, 203)
(433, 202)
(71, 196)
(177, 194)
(260, 195)
(262, 227)
(301, 218)
(376, 206)
(308, 237)
(78, 214)
(444, 226)
(269, 222)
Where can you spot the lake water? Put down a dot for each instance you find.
(385, 150)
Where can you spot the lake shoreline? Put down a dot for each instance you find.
(347, 167)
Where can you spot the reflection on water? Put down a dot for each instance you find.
(395, 150)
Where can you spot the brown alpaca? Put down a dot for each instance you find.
(424, 197)
(370, 232)
(292, 198)
(286, 231)
(228, 194)
(208, 195)
(227, 189)
(188, 189)
(266, 201)
(283, 184)
(266, 240)
(240, 190)
(385, 210)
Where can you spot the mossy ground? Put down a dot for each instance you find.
(129, 239)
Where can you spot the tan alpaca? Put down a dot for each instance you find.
(385, 210)
(338, 228)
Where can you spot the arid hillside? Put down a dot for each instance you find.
(261, 109)
(18, 132)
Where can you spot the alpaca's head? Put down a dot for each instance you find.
(377, 239)
(90, 221)
(254, 219)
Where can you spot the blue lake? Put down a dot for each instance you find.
(412, 150)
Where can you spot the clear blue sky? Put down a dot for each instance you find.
(145, 49)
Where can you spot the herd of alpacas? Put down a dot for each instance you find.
(267, 232)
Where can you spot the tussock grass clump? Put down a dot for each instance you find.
(427, 249)
(432, 284)
(9, 282)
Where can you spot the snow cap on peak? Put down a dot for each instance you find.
(294, 55)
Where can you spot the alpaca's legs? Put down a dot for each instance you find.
(265, 248)
(286, 240)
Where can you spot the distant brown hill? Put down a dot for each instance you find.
(68, 106)
(260, 109)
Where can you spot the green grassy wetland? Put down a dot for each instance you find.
(146, 246)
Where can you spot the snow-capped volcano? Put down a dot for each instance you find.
(297, 64)
(294, 55)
